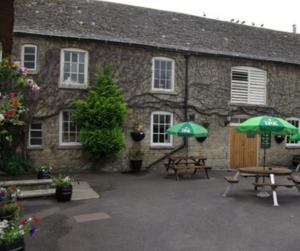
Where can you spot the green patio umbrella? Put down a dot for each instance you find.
(266, 125)
(295, 137)
(188, 129)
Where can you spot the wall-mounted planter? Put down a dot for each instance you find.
(201, 139)
(279, 138)
(137, 136)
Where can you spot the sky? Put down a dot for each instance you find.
(276, 14)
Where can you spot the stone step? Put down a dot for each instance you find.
(26, 182)
(36, 193)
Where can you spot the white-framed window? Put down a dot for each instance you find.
(163, 74)
(295, 122)
(248, 85)
(73, 68)
(160, 122)
(68, 129)
(29, 57)
(35, 134)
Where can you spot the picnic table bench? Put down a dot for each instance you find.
(192, 165)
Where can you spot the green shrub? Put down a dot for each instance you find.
(101, 117)
(16, 165)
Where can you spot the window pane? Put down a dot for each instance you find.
(74, 68)
(29, 65)
(74, 78)
(155, 128)
(29, 57)
(67, 56)
(74, 57)
(66, 76)
(81, 57)
(65, 137)
(36, 134)
(67, 67)
(65, 116)
(81, 78)
(30, 50)
(66, 126)
(155, 118)
(168, 119)
(161, 138)
(35, 142)
(163, 65)
(81, 68)
(161, 119)
(157, 64)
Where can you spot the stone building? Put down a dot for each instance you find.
(170, 67)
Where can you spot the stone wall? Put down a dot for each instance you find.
(209, 91)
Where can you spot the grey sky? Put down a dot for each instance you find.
(278, 15)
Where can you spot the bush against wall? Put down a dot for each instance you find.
(101, 117)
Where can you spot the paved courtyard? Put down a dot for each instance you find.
(151, 213)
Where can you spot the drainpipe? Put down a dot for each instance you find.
(186, 98)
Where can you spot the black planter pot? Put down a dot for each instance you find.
(43, 175)
(18, 245)
(137, 136)
(8, 217)
(201, 139)
(279, 138)
(63, 193)
(136, 165)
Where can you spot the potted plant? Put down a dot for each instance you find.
(64, 188)
(279, 138)
(137, 134)
(44, 172)
(136, 159)
(9, 208)
(12, 233)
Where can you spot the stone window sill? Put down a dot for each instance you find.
(162, 147)
(248, 105)
(163, 92)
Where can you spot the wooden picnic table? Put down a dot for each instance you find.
(264, 172)
(184, 164)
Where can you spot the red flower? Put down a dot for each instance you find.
(13, 187)
(35, 221)
(11, 95)
(14, 103)
(23, 222)
(10, 113)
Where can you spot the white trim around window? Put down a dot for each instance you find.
(161, 120)
(163, 74)
(248, 85)
(35, 135)
(29, 57)
(296, 122)
(73, 68)
(65, 137)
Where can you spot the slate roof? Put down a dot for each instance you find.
(105, 21)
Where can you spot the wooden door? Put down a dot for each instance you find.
(243, 149)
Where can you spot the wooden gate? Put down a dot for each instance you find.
(243, 149)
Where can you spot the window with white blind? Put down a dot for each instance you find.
(29, 57)
(163, 72)
(73, 68)
(248, 85)
(160, 123)
(296, 123)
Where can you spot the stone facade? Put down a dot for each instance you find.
(209, 82)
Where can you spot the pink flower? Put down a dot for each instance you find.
(11, 95)
(23, 71)
(35, 88)
(30, 82)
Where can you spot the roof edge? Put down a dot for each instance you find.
(184, 50)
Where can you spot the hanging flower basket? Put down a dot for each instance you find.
(279, 138)
(137, 136)
(201, 139)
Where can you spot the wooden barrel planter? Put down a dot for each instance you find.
(137, 136)
(43, 175)
(17, 245)
(63, 194)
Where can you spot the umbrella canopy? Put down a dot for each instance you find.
(267, 124)
(188, 129)
(295, 137)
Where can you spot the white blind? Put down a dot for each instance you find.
(248, 85)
